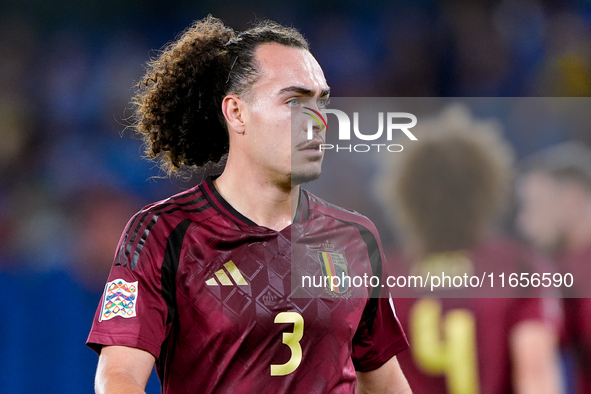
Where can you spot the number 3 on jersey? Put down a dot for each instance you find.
(291, 339)
(445, 345)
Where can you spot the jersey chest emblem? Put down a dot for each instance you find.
(119, 299)
(334, 269)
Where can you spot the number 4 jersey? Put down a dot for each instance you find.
(210, 295)
(463, 345)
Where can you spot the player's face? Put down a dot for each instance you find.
(541, 212)
(289, 78)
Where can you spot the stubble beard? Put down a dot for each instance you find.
(298, 178)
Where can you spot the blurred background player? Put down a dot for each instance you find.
(446, 190)
(555, 214)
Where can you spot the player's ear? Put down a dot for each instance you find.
(233, 109)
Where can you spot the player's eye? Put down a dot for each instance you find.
(323, 102)
(294, 102)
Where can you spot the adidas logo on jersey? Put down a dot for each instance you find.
(224, 279)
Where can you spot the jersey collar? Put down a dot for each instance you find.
(219, 203)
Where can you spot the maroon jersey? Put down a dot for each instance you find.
(461, 345)
(210, 295)
(578, 314)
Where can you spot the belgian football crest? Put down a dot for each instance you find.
(335, 271)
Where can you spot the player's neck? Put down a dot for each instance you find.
(262, 201)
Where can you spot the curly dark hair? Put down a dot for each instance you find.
(177, 105)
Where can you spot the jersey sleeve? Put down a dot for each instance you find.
(379, 336)
(132, 310)
(539, 303)
(545, 310)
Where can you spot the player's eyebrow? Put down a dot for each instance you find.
(304, 91)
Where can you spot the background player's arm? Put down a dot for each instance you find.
(535, 359)
(387, 379)
(123, 370)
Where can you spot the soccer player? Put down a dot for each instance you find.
(446, 188)
(201, 282)
(555, 214)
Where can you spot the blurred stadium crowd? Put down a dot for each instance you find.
(71, 174)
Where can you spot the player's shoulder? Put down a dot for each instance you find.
(502, 251)
(502, 243)
(188, 203)
(151, 227)
(321, 207)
